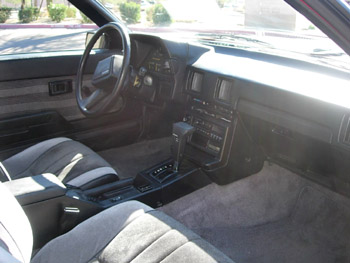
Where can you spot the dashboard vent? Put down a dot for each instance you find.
(195, 81)
(224, 90)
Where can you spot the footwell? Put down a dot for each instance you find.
(273, 216)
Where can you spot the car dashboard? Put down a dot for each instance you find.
(247, 107)
(152, 69)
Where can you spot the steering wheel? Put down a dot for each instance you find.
(109, 76)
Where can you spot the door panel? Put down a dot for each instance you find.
(27, 127)
(29, 96)
(29, 114)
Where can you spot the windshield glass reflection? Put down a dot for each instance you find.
(270, 26)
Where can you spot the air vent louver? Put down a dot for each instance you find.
(195, 81)
(224, 90)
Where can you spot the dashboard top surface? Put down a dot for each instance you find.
(308, 83)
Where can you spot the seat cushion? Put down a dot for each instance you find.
(130, 232)
(72, 162)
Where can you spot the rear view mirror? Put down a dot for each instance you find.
(101, 43)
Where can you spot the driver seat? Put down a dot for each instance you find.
(72, 162)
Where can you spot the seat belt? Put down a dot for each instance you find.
(4, 175)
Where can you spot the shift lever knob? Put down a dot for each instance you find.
(181, 132)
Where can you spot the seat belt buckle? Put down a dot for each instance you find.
(69, 218)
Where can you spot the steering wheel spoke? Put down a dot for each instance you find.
(91, 101)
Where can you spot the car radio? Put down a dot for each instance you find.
(211, 123)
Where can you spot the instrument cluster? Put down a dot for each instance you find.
(158, 62)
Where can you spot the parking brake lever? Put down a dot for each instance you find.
(181, 132)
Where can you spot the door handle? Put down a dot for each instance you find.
(60, 87)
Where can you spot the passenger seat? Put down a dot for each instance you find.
(128, 232)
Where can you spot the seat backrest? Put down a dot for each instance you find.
(16, 238)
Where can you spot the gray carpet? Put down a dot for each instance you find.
(131, 159)
(273, 216)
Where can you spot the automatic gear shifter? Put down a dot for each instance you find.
(181, 132)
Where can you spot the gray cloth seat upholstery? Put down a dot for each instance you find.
(72, 162)
(128, 232)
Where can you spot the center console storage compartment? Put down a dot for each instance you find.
(36, 188)
(41, 197)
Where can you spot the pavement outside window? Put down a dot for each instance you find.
(43, 34)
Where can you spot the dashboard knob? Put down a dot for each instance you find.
(148, 80)
(142, 71)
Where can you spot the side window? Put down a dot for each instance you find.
(41, 26)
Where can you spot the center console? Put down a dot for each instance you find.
(220, 144)
(153, 185)
(210, 111)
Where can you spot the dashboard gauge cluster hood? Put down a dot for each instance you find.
(331, 16)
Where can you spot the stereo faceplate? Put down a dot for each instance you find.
(212, 124)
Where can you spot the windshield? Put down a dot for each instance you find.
(269, 26)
